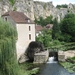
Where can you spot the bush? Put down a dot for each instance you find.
(34, 47)
(12, 2)
(8, 34)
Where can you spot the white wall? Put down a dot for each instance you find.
(23, 37)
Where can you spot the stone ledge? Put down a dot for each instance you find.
(41, 57)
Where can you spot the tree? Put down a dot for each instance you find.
(68, 27)
(8, 62)
(62, 6)
(39, 21)
(45, 37)
(44, 21)
(34, 47)
(55, 29)
(48, 20)
(36, 20)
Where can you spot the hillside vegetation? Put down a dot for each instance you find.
(61, 35)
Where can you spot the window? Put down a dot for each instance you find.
(29, 28)
(29, 36)
(5, 18)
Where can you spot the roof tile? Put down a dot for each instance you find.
(18, 17)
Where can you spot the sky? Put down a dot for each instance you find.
(58, 2)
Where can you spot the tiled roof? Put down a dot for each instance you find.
(38, 28)
(49, 26)
(18, 17)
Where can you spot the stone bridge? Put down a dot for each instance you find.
(41, 57)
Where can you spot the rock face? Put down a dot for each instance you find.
(25, 6)
(35, 8)
(46, 9)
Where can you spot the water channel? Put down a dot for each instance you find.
(53, 68)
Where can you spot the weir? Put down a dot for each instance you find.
(51, 60)
(41, 57)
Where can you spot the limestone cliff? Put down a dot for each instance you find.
(35, 9)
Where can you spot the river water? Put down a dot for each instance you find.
(53, 68)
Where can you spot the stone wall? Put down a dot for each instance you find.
(41, 57)
(63, 55)
(70, 53)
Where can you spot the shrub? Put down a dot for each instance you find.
(8, 34)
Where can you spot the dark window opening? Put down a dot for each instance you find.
(29, 28)
(5, 18)
(29, 36)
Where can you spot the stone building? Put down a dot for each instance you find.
(25, 29)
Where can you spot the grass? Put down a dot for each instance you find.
(26, 69)
(62, 46)
(0, 72)
(69, 64)
(29, 68)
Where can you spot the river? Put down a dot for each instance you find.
(53, 68)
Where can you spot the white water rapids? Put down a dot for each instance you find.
(51, 60)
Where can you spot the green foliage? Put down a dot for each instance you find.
(12, 2)
(71, 59)
(48, 19)
(68, 28)
(6, 30)
(34, 71)
(68, 66)
(8, 62)
(56, 43)
(46, 40)
(55, 29)
(29, 68)
(45, 37)
(15, 9)
(39, 21)
(68, 46)
(39, 38)
(63, 46)
(44, 6)
(44, 21)
(62, 6)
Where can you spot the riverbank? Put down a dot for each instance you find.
(69, 64)
(30, 68)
